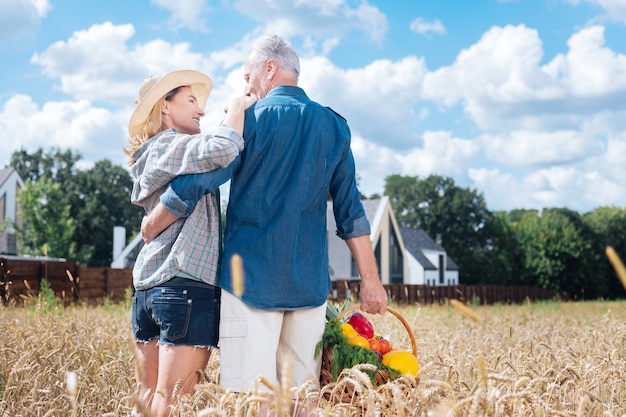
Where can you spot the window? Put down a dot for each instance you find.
(3, 207)
(377, 254)
(396, 263)
(442, 269)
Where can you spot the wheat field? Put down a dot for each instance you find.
(535, 359)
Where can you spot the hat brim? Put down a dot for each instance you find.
(200, 83)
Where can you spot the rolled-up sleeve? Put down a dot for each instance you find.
(359, 227)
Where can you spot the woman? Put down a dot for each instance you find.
(175, 311)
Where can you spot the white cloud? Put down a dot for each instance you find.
(320, 22)
(21, 17)
(424, 27)
(589, 69)
(441, 154)
(378, 100)
(581, 186)
(115, 72)
(535, 148)
(186, 13)
(94, 132)
(494, 77)
(501, 83)
(614, 9)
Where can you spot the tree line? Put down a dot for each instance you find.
(555, 248)
(70, 212)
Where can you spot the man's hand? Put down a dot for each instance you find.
(153, 224)
(373, 295)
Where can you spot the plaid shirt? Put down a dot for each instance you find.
(190, 245)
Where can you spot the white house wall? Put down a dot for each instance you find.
(419, 276)
(452, 277)
(9, 189)
(449, 277)
(416, 270)
(431, 278)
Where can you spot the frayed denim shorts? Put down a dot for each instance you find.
(179, 312)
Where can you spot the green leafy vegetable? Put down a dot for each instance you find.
(346, 355)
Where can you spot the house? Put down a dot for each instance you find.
(124, 256)
(404, 255)
(428, 264)
(10, 184)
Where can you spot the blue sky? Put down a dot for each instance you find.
(523, 101)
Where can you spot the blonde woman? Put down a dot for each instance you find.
(175, 310)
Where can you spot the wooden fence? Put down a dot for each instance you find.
(69, 281)
(425, 294)
(72, 282)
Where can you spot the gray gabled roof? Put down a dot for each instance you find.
(451, 265)
(416, 240)
(4, 174)
(371, 207)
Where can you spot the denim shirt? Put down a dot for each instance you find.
(297, 153)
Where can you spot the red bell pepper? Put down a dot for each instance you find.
(362, 325)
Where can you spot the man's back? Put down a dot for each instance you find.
(296, 152)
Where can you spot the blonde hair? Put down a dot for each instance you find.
(142, 133)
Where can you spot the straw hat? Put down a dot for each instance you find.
(154, 88)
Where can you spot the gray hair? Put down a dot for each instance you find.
(273, 47)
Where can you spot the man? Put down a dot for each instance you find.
(297, 152)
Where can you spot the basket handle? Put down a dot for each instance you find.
(399, 316)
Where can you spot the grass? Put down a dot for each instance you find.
(543, 359)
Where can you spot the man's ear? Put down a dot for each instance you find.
(271, 68)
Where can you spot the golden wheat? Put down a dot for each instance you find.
(544, 359)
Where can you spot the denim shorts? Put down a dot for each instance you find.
(179, 312)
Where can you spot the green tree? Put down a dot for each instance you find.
(556, 253)
(609, 227)
(502, 255)
(47, 228)
(100, 200)
(54, 164)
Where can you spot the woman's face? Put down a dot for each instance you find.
(181, 112)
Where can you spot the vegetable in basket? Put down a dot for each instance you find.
(346, 354)
(362, 325)
(402, 361)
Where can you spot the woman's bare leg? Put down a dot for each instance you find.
(147, 369)
(177, 363)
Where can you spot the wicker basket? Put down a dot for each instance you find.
(382, 376)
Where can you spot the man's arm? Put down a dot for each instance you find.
(354, 228)
(373, 294)
(180, 199)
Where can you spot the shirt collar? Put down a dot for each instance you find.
(287, 90)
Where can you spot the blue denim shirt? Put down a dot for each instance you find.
(297, 152)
